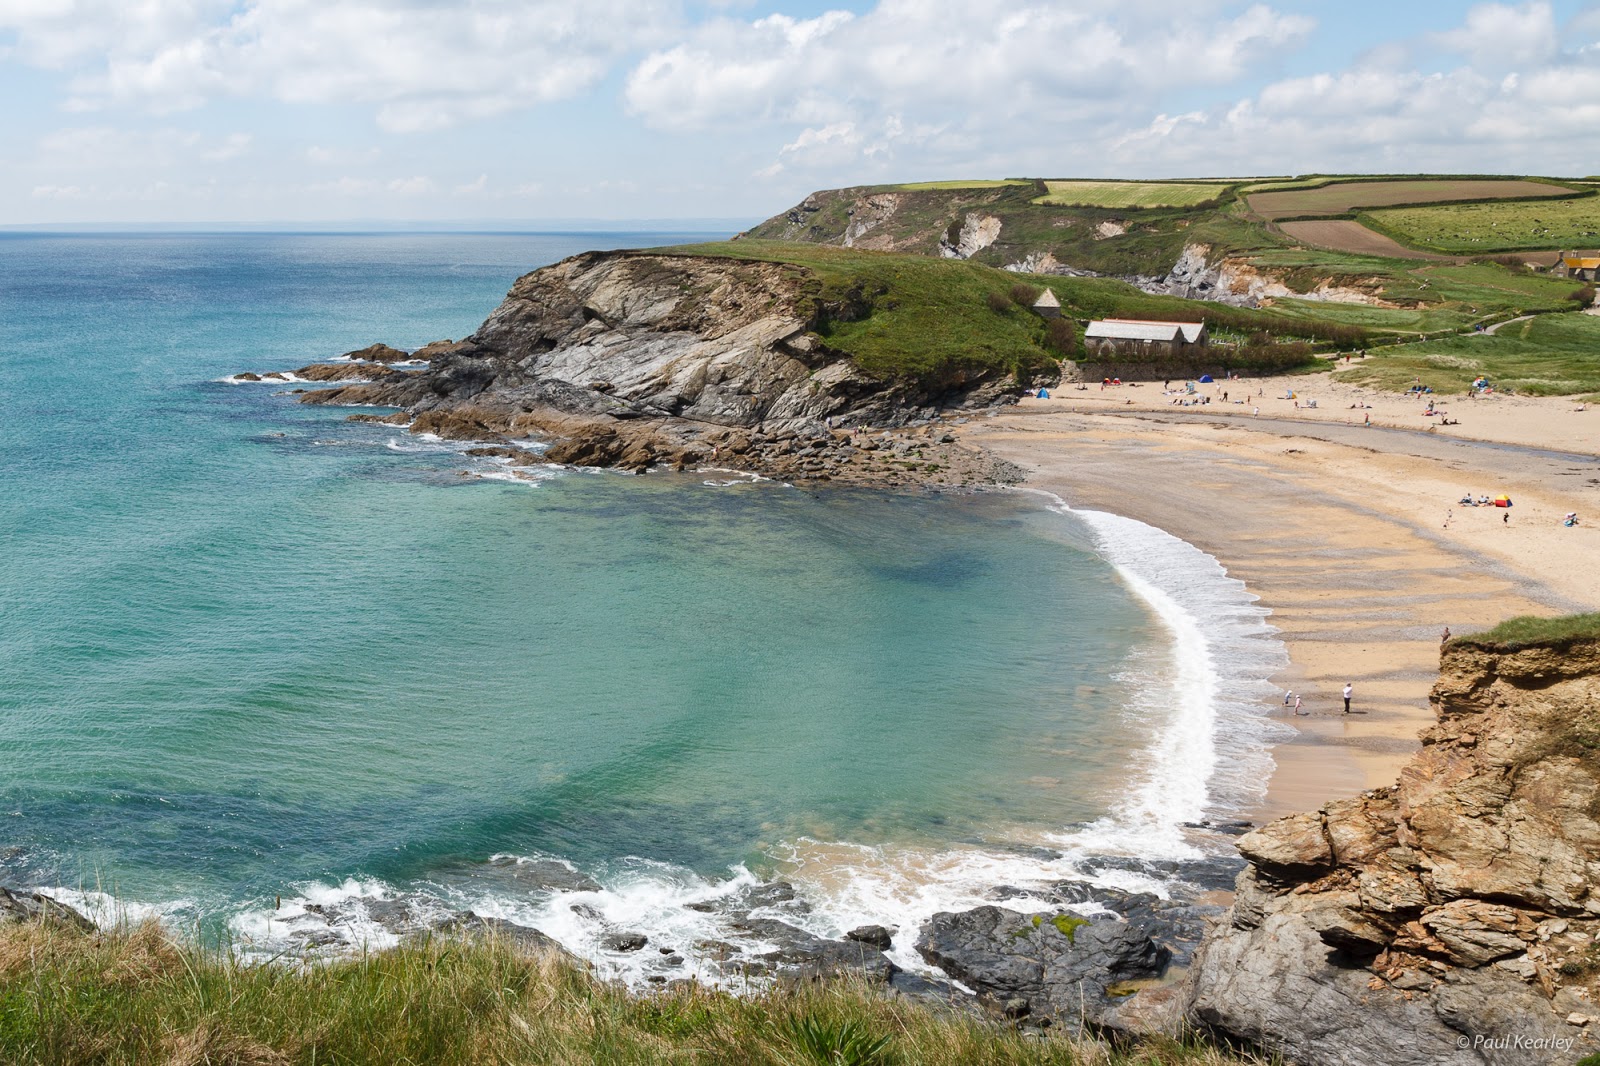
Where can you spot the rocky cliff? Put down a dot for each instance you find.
(634, 360)
(1449, 919)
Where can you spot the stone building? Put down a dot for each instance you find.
(1583, 266)
(1127, 338)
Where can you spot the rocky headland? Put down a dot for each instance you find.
(634, 360)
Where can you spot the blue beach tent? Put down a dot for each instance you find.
(1205, 379)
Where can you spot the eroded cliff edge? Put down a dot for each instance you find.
(642, 359)
(1451, 918)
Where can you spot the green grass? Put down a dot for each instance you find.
(917, 317)
(1492, 227)
(1124, 194)
(1549, 355)
(133, 997)
(1529, 630)
(981, 183)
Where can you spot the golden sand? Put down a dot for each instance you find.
(1350, 535)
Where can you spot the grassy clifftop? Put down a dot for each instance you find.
(134, 997)
(909, 315)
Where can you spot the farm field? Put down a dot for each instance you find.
(1129, 193)
(1349, 195)
(1479, 228)
(1550, 355)
(981, 183)
(1344, 235)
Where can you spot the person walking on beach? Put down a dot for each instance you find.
(1347, 690)
(1297, 706)
(1444, 638)
(1288, 694)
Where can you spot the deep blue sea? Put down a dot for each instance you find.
(256, 659)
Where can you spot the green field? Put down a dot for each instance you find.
(1494, 227)
(1129, 193)
(1344, 196)
(981, 183)
(1550, 355)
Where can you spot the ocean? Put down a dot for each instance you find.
(262, 668)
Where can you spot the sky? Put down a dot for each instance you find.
(185, 111)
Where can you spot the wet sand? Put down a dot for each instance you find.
(1341, 531)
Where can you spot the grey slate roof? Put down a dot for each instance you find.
(1126, 329)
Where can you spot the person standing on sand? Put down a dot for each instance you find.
(1347, 690)
(1444, 638)
(1287, 696)
(1297, 706)
(1505, 518)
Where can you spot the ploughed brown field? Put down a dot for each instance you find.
(1348, 196)
(1343, 235)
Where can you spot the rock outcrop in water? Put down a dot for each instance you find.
(1452, 918)
(634, 360)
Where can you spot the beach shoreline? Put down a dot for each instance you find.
(1350, 535)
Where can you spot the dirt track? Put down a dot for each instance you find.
(1347, 236)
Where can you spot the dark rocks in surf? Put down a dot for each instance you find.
(872, 935)
(624, 942)
(1050, 968)
(800, 956)
(24, 906)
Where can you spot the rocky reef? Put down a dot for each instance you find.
(1451, 918)
(636, 360)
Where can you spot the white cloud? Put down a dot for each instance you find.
(920, 56)
(1500, 36)
(413, 186)
(421, 64)
(475, 187)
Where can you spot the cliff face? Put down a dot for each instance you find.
(635, 359)
(1451, 918)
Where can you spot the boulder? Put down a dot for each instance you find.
(1046, 966)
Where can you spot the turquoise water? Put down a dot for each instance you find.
(250, 649)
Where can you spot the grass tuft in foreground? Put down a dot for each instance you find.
(135, 997)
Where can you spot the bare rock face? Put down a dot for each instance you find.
(1452, 918)
(977, 232)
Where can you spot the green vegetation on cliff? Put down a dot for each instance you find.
(133, 997)
(1529, 630)
(900, 315)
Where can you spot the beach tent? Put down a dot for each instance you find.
(1044, 394)
(1205, 379)
(1502, 501)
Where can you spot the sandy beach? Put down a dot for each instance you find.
(1351, 535)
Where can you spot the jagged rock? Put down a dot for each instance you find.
(873, 935)
(36, 907)
(1059, 966)
(1291, 847)
(382, 353)
(1447, 908)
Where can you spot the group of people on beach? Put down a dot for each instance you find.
(1292, 698)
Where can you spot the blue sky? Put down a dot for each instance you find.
(317, 110)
